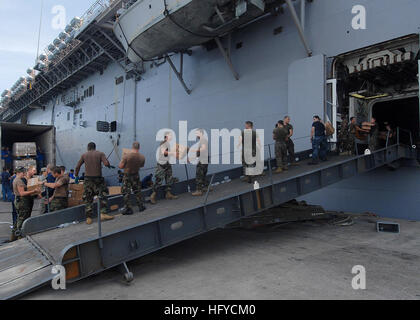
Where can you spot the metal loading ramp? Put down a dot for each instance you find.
(22, 268)
(86, 250)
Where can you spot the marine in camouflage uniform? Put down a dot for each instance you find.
(164, 171)
(280, 135)
(58, 204)
(202, 154)
(344, 137)
(351, 142)
(374, 136)
(290, 146)
(201, 176)
(94, 183)
(95, 186)
(132, 184)
(131, 162)
(61, 189)
(24, 207)
(23, 203)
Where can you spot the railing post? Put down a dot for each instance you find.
(188, 179)
(269, 164)
(208, 188)
(99, 222)
(48, 199)
(271, 173)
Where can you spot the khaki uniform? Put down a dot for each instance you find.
(61, 194)
(131, 181)
(280, 135)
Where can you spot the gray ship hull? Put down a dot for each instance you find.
(268, 89)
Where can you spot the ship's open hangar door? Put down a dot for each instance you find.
(402, 112)
(381, 81)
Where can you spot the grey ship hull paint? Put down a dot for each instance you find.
(217, 99)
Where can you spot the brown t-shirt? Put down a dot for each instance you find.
(132, 162)
(62, 187)
(18, 183)
(93, 163)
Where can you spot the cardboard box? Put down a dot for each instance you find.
(26, 163)
(113, 191)
(24, 149)
(329, 129)
(181, 151)
(75, 195)
(34, 184)
(74, 202)
(76, 187)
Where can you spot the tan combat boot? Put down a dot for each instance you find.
(89, 221)
(279, 170)
(170, 196)
(198, 193)
(13, 237)
(106, 217)
(153, 198)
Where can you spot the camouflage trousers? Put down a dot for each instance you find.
(163, 172)
(290, 146)
(24, 207)
(58, 204)
(95, 186)
(132, 184)
(201, 176)
(351, 144)
(281, 154)
(373, 143)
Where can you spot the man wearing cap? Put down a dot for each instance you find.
(24, 200)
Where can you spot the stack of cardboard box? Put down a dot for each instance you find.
(75, 195)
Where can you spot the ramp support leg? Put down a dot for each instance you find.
(127, 274)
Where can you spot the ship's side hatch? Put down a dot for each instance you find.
(402, 113)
